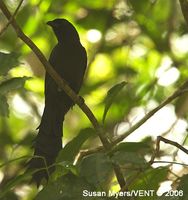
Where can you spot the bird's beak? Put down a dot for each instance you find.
(50, 23)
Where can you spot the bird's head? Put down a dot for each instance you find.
(64, 30)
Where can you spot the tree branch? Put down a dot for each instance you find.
(159, 139)
(12, 17)
(170, 162)
(180, 91)
(62, 84)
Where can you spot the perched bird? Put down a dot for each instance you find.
(69, 59)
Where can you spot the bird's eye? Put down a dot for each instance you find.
(56, 24)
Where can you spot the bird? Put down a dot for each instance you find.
(69, 59)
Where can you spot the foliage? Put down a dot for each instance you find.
(137, 56)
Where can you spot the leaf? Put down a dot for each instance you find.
(72, 148)
(111, 95)
(183, 185)
(140, 6)
(13, 160)
(10, 195)
(150, 179)
(14, 182)
(123, 158)
(7, 86)
(96, 168)
(4, 107)
(131, 147)
(62, 169)
(12, 84)
(7, 62)
(68, 187)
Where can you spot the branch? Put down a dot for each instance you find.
(159, 139)
(12, 17)
(180, 91)
(170, 162)
(85, 152)
(62, 84)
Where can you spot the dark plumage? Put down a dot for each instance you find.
(69, 59)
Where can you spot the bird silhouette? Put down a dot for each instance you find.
(69, 59)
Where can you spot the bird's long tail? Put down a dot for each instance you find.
(47, 145)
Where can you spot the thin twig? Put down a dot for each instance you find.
(12, 17)
(170, 129)
(170, 162)
(159, 139)
(85, 152)
(62, 84)
(15, 159)
(176, 152)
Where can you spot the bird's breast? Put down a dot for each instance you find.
(69, 61)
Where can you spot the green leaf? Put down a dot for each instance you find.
(111, 96)
(131, 147)
(183, 185)
(12, 84)
(140, 6)
(123, 158)
(62, 169)
(150, 179)
(14, 182)
(14, 160)
(10, 195)
(96, 168)
(7, 62)
(4, 107)
(67, 187)
(72, 148)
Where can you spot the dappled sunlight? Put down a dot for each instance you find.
(169, 77)
(156, 125)
(178, 44)
(35, 85)
(164, 187)
(93, 35)
(22, 109)
(101, 68)
(166, 73)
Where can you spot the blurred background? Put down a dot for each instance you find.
(144, 43)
